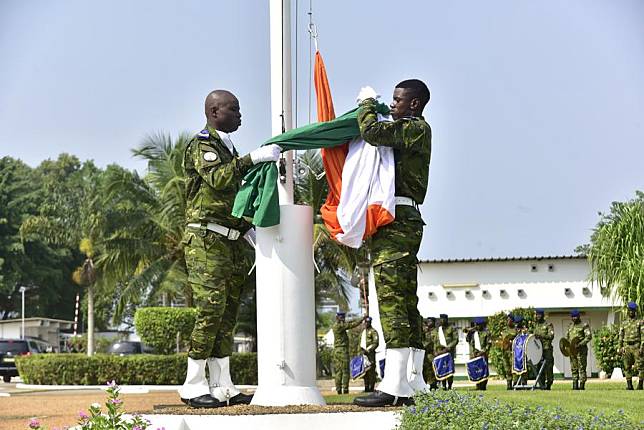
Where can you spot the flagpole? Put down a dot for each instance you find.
(286, 338)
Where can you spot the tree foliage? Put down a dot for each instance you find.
(616, 251)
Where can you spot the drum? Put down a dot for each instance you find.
(443, 366)
(477, 369)
(534, 350)
(357, 366)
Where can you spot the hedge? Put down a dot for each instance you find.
(606, 347)
(158, 327)
(139, 369)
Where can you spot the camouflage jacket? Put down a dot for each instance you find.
(579, 334)
(411, 139)
(430, 340)
(484, 338)
(340, 335)
(506, 337)
(451, 337)
(372, 339)
(631, 331)
(545, 332)
(213, 177)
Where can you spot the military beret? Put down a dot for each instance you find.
(443, 316)
(478, 320)
(510, 316)
(574, 313)
(203, 134)
(368, 319)
(340, 314)
(431, 318)
(540, 311)
(517, 318)
(632, 305)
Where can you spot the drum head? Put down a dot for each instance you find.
(534, 350)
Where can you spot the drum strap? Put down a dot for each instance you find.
(363, 340)
(477, 341)
(441, 337)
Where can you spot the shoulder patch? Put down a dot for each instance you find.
(210, 156)
(203, 134)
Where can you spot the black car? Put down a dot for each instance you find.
(11, 348)
(128, 347)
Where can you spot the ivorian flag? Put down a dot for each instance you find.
(360, 176)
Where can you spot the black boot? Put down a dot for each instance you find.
(629, 384)
(582, 385)
(575, 385)
(450, 381)
(444, 383)
(433, 386)
(240, 399)
(508, 383)
(639, 384)
(379, 399)
(484, 385)
(205, 401)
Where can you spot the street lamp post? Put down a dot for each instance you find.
(22, 329)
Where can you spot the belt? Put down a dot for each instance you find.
(229, 233)
(405, 201)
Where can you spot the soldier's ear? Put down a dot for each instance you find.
(414, 104)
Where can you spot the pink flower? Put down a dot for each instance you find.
(111, 384)
(116, 401)
(34, 423)
(82, 415)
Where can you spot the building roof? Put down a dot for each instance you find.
(36, 319)
(486, 259)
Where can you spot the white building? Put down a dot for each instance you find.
(466, 288)
(47, 329)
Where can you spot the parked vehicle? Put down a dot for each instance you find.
(128, 347)
(11, 348)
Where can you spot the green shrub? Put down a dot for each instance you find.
(139, 369)
(496, 324)
(455, 410)
(79, 343)
(158, 327)
(325, 360)
(606, 347)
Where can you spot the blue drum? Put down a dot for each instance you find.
(443, 366)
(519, 354)
(477, 369)
(357, 366)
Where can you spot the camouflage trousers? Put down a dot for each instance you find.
(341, 369)
(633, 362)
(428, 369)
(547, 376)
(370, 376)
(217, 273)
(578, 362)
(393, 254)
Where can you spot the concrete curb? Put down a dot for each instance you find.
(125, 389)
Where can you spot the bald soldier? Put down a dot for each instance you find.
(217, 251)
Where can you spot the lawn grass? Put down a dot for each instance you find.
(601, 396)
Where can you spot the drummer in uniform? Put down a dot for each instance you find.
(505, 343)
(545, 332)
(479, 340)
(429, 343)
(446, 341)
(520, 326)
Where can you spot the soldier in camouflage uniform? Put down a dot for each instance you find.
(394, 247)
(217, 258)
(505, 343)
(631, 346)
(578, 335)
(368, 344)
(341, 351)
(483, 347)
(429, 342)
(545, 332)
(450, 334)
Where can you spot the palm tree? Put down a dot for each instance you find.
(335, 262)
(616, 251)
(142, 251)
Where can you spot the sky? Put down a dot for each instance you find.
(537, 108)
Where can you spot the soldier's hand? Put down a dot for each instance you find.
(266, 153)
(366, 93)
